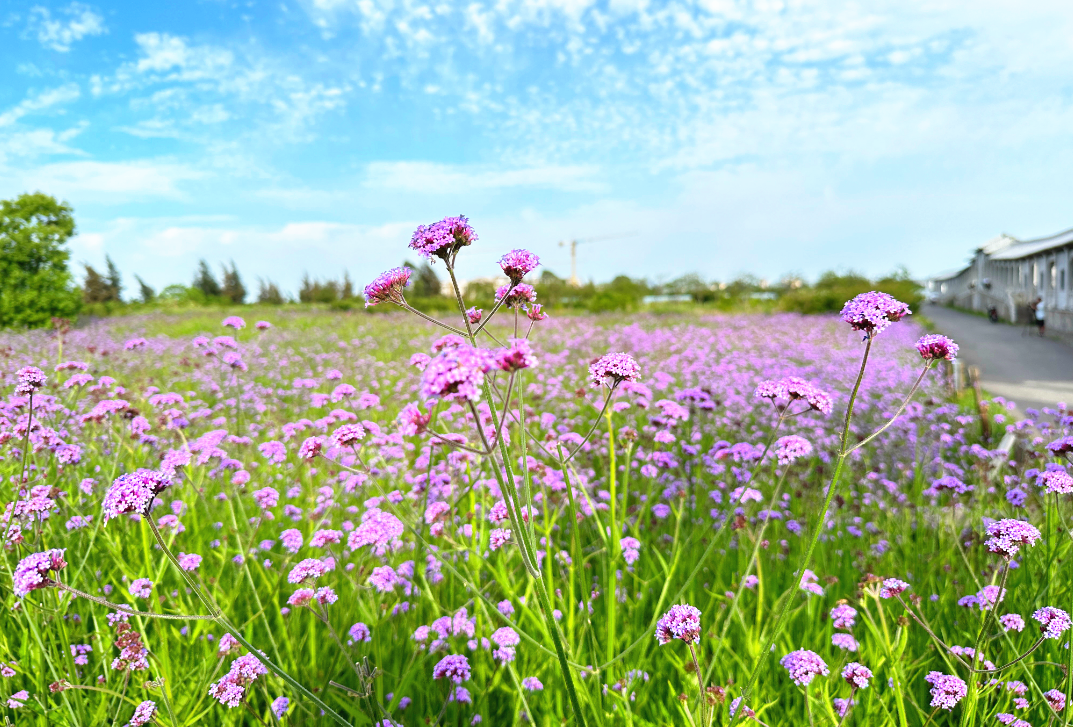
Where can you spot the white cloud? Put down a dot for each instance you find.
(60, 33)
(443, 179)
(105, 182)
(44, 100)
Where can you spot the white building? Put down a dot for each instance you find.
(1009, 274)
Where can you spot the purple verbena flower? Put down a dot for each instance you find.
(872, 312)
(29, 379)
(1007, 536)
(1053, 621)
(454, 667)
(133, 492)
(857, 675)
(680, 622)
(891, 587)
(946, 690)
(803, 665)
(143, 714)
(32, 571)
(516, 264)
(612, 369)
(387, 287)
(456, 374)
(933, 347)
(791, 448)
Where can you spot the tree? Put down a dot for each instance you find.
(99, 288)
(204, 281)
(426, 284)
(145, 292)
(115, 284)
(233, 289)
(35, 282)
(95, 289)
(268, 292)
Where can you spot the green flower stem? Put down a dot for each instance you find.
(776, 628)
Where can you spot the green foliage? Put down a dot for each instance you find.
(268, 293)
(99, 288)
(146, 294)
(232, 288)
(35, 282)
(205, 282)
(833, 289)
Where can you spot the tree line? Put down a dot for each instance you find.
(37, 284)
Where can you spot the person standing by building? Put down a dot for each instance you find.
(1040, 314)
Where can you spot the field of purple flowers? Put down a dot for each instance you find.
(355, 519)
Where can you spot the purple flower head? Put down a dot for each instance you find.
(360, 632)
(933, 347)
(1007, 536)
(536, 313)
(516, 296)
(532, 684)
(133, 492)
(141, 588)
(1055, 481)
(803, 665)
(843, 616)
(189, 561)
(348, 435)
(232, 687)
(384, 578)
(872, 312)
(456, 374)
(387, 287)
(307, 570)
(892, 587)
(516, 264)
(1012, 622)
(32, 571)
(857, 675)
(262, 325)
(1063, 445)
(443, 238)
(379, 529)
(474, 315)
(279, 706)
(612, 369)
(234, 322)
(412, 421)
(143, 714)
(680, 622)
(790, 448)
(734, 708)
(454, 667)
(516, 356)
(844, 641)
(1056, 699)
(1053, 621)
(29, 379)
(946, 690)
(310, 448)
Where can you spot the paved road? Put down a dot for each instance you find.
(1032, 371)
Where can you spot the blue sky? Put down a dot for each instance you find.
(727, 137)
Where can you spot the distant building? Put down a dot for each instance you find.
(1009, 274)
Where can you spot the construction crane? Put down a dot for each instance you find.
(574, 281)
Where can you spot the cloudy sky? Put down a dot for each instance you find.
(721, 136)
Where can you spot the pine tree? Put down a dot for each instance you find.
(205, 282)
(145, 292)
(233, 289)
(115, 283)
(268, 292)
(96, 288)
